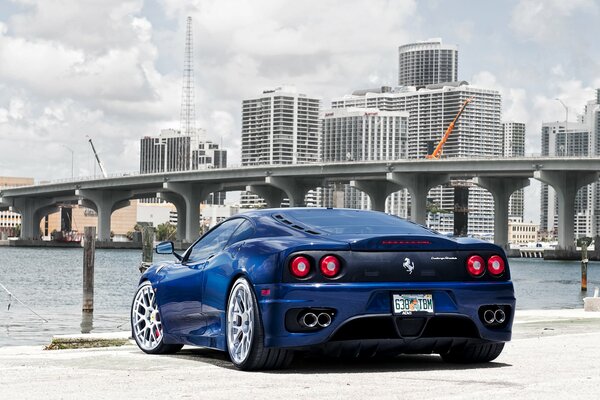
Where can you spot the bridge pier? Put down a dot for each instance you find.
(418, 185)
(295, 188)
(378, 191)
(193, 194)
(179, 204)
(104, 202)
(32, 211)
(566, 183)
(501, 189)
(270, 194)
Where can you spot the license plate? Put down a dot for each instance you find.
(407, 304)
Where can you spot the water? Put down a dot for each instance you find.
(50, 282)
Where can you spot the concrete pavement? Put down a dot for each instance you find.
(554, 355)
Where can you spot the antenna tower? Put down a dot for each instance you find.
(188, 106)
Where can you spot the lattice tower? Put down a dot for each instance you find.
(188, 106)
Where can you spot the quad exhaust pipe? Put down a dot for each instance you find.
(488, 317)
(500, 316)
(312, 320)
(324, 320)
(494, 316)
(309, 320)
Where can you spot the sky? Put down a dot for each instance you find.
(111, 70)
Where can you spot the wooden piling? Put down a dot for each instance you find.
(147, 247)
(89, 249)
(584, 267)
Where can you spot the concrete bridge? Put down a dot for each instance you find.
(378, 179)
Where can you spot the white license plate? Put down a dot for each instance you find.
(407, 304)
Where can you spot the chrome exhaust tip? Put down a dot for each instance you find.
(324, 320)
(499, 316)
(489, 317)
(309, 320)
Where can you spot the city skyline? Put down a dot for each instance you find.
(62, 68)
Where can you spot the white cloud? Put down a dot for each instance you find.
(547, 20)
(100, 68)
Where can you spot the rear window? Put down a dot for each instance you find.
(340, 221)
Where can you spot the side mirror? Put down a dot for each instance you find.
(165, 248)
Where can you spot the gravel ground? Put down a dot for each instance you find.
(554, 355)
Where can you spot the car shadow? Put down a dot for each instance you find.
(311, 364)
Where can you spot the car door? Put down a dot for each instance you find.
(184, 283)
(217, 277)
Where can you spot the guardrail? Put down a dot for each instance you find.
(238, 166)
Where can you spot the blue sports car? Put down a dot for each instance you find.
(271, 283)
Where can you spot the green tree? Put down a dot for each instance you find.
(166, 231)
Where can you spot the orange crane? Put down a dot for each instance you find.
(438, 150)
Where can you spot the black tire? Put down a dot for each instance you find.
(474, 353)
(146, 326)
(258, 357)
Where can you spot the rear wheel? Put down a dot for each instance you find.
(245, 335)
(146, 325)
(474, 353)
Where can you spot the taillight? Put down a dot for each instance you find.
(475, 265)
(300, 267)
(496, 265)
(330, 266)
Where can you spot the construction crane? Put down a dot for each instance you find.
(97, 158)
(438, 150)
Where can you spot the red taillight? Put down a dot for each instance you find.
(300, 267)
(476, 265)
(330, 266)
(496, 265)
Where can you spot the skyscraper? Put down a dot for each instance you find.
(281, 126)
(513, 134)
(426, 63)
(476, 134)
(364, 134)
(172, 151)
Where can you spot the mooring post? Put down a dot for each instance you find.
(147, 245)
(89, 249)
(584, 265)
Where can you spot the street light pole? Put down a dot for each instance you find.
(72, 157)
(566, 124)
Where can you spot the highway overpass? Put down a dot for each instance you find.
(186, 190)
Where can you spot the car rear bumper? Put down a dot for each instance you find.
(363, 312)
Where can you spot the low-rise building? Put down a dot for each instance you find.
(522, 232)
(10, 221)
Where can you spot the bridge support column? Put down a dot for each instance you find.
(566, 184)
(105, 202)
(193, 194)
(179, 204)
(296, 189)
(418, 185)
(501, 190)
(378, 191)
(270, 194)
(32, 211)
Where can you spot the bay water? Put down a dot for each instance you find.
(49, 281)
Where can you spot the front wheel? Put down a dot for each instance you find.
(474, 353)
(245, 335)
(146, 325)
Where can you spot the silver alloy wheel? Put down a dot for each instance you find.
(240, 321)
(145, 319)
